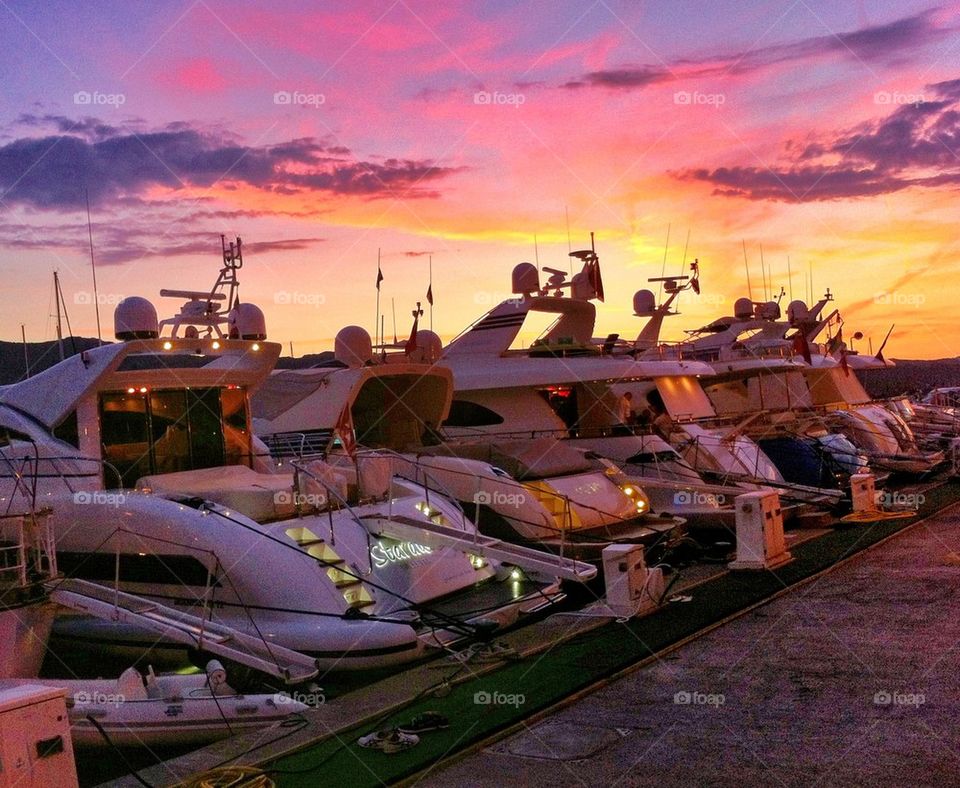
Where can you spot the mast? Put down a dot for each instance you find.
(56, 295)
(746, 265)
(93, 267)
(26, 358)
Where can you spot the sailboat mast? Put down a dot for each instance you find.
(56, 295)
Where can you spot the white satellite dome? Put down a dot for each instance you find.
(247, 322)
(429, 347)
(743, 308)
(797, 312)
(526, 279)
(135, 318)
(644, 303)
(353, 346)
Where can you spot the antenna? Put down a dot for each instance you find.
(393, 306)
(747, 267)
(291, 348)
(93, 267)
(536, 251)
(566, 211)
(790, 277)
(763, 274)
(663, 267)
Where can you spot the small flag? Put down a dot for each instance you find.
(843, 361)
(412, 342)
(379, 276)
(344, 431)
(430, 294)
(801, 346)
(596, 281)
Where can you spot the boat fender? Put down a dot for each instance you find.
(216, 675)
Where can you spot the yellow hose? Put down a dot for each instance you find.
(229, 777)
(877, 516)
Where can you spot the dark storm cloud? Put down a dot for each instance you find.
(56, 171)
(880, 43)
(914, 145)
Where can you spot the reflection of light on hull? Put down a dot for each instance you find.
(383, 554)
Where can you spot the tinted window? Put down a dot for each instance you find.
(470, 414)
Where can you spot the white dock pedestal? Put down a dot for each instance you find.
(760, 540)
(632, 588)
(863, 492)
(36, 750)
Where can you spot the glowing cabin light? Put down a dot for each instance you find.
(477, 562)
(143, 389)
(628, 490)
(255, 347)
(516, 574)
(131, 391)
(167, 345)
(216, 345)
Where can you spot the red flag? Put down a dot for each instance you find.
(412, 342)
(430, 294)
(801, 346)
(379, 276)
(344, 431)
(596, 281)
(843, 362)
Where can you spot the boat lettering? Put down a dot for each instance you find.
(401, 552)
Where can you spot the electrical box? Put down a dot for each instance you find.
(35, 746)
(632, 589)
(863, 492)
(760, 539)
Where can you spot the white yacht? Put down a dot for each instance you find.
(145, 453)
(536, 491)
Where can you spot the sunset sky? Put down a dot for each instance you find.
(828, 132)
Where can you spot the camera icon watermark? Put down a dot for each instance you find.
(697, 498)
(97, 99)
(99, 498)
(694, 698)
(289, 498)
(497, 99)
(288, 298)
(484, 698)
(97, 698)
(86, 298)
(695, 98)
(298, 98)
(897, 698)
(900, 299)
(895, 98)
(498, 498)
(313, 699)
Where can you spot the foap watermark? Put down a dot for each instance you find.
(85, 298)
(99, 498)
(897, 698)
(313, 699)
(288, 298)
(287, 497)
(497, 99)
(97, 698)
(97, 99)
(697, 498)
(897, 98)
(484, 698)
(497, 498)
(894, 499)
(299, 98)
(486, 297)
(696, 98)
(694, 698)
(900, 299)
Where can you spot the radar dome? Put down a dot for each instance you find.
(743, 308)
(644, 303)
(526, 279)
(353, 346)
(768, 310)
(247, 322)
(429, 347)
(135, 318)
(797, 312)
